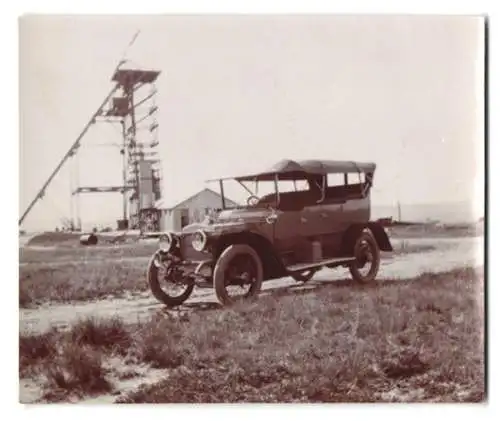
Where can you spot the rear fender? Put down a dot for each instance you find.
(377, 230)
(381, 236)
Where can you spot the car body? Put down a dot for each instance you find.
(317, 223)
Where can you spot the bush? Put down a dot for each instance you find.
(159, 343)
(109, 334)
(34, 348)
(77, 370)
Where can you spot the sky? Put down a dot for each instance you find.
(238, 93)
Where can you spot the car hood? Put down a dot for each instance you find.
(230, 219)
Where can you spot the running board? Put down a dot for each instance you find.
(336, 261)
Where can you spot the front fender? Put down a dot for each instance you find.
(273, 266)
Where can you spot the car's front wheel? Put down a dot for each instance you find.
(164, 285)
(364, 268)
(238, 274)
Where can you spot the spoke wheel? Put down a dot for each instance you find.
(238, 274)
(367, 253)
(164, 284)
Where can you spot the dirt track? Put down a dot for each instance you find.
(449, 254)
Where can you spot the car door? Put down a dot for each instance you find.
(324, 221)
(319, 220)
(288, 233)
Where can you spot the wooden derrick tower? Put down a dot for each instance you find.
(132, 104)
(135, 107)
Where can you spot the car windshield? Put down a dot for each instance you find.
(257, 193)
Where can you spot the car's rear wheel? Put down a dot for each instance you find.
(238, 274)
(367, 254)
(164, 285)
(304, 276)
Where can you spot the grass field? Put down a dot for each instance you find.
(67, 274)
(76, 253)
(419, 340)
(80, 281)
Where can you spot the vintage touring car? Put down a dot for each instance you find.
(305, 223)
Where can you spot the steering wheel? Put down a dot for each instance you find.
(252, 200)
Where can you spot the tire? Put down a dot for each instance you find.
(159, 293)
(223, 264)
(365, 239)
(304, 276)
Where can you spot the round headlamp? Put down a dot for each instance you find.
(199, 240)
(166, 242)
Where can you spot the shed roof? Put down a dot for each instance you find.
(174, 203)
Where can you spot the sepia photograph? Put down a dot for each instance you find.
(252, 208)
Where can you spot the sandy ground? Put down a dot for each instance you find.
(449, 254)
(31, 389)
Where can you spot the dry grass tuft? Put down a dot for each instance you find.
(159, 343)
(34, 348)
(67, 367)
(109, 334)
(77, 370)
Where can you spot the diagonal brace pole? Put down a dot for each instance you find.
(69, 154)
